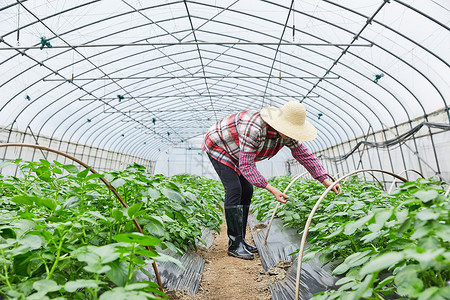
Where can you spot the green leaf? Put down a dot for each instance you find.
(351, 227)
(71, 202)
(83, 173)
(106, 253)
(445, 292)
(153, 193)
(136, 286)
(424, 257)
(155, 228)
(72, 286)
(46, 202)
(118, 183)
(134, 209)
(431, 293)
(173, 195)
(144, 240)
(94, 175)
(357, 259)
(97, 268)
(427, 214)
(167, 258)
(426, 196)
(342, 268)
(119, 293)
(45, 286)
(411, 288)
(380, 218)
(70, 168)
(118, 273)
(310, 255)
(24, 199)
(335, 233)
(117, 214)
(382, 262)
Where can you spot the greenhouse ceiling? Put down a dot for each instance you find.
(142, 76)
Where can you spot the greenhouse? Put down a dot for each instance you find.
(225, 149)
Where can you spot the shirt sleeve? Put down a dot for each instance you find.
(248, 169)
(309, 161)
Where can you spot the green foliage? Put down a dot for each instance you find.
(387, 245)
(64, 234)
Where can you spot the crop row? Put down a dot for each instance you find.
(386, 246)
(63, 234)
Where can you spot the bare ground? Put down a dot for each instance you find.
(228, 278)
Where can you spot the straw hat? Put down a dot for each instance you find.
(290, 120)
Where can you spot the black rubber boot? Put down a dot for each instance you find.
(250, 248)
(233, 216)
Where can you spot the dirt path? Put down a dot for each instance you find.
(228, 278)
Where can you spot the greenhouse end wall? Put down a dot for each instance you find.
(426, 152)
(98, 158)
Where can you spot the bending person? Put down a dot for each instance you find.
(235, 143)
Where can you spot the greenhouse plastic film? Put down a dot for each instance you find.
(280, 243)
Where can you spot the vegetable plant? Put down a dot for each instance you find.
(64, 235)
(385, 246)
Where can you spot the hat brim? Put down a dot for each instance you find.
(273, 116)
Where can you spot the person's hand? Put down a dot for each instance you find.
(281, 197)
(336, 189)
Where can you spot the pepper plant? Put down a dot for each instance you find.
(63, 234)
(385, 246)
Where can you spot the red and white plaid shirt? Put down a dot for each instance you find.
(243, 138)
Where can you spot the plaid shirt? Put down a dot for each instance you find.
(243, 138)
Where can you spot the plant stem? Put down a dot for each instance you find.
(5, 268)
(130, 266)
(58, 255)
(441, 279)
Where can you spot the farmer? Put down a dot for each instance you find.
(235, 143)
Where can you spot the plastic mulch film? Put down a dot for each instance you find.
(315, 278)
(280, 243)
(207, 236)
(173, 277)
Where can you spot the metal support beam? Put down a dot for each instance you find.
(188, 44)
(189, 77)
(197, 95)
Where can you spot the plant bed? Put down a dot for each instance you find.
(64, 235)
(388, 245)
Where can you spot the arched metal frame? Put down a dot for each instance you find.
(343, 124)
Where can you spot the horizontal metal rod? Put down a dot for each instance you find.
(187, 110)
(191, 77)
(201, 95)
(169, 120)
(188, 44)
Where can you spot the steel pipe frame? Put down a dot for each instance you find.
(12, 48)
(192, 77)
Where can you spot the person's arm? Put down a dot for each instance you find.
(248, 169)
(313, 166)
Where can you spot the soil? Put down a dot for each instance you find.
(229, 278)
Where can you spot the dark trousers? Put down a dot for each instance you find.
(238, 191)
